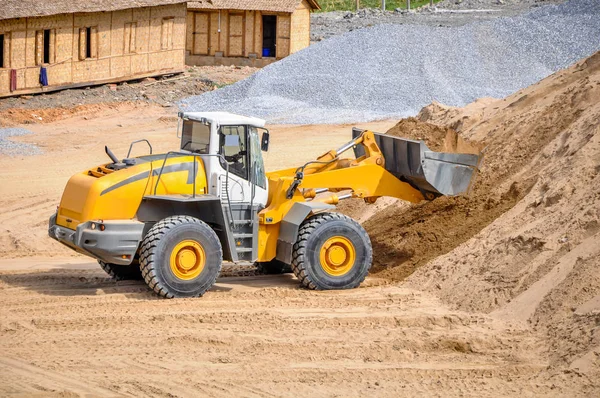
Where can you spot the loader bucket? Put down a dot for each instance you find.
(432, 173)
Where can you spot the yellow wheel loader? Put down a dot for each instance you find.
(173, 218)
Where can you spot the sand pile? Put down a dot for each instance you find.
(438, 138)
(526, 244)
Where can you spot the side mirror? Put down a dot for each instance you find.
(264, 142)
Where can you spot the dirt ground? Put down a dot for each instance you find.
(72, 332)
(163, 91)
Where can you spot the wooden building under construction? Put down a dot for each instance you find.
(58, 44)
(246, 32)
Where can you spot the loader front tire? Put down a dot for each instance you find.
(181, 256)
(122, 272)
(333, 251)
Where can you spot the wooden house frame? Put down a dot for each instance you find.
(65, 43)
(246, 32)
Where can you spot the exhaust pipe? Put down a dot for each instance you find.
(111, 155)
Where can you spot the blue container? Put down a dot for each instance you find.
(266, 52)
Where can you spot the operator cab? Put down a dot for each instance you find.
(230, 148)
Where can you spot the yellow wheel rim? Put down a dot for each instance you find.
(187, 260)
(337, 256)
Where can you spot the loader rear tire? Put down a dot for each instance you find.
(122, 272)
(333, 251)
(181, 256)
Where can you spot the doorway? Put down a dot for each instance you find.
(46, 52)
(269, 35)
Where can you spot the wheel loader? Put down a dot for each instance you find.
(173, 218)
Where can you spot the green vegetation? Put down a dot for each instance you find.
(350, 5)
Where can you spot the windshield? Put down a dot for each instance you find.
(195, 137)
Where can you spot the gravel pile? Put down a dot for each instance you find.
(484, 4)
(446, 13)
(13, 148)
(391, 71)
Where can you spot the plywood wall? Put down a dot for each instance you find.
(215, 33)
(14, 31)
(235, 40)
(249, 38)
(300, 27)
(93, 68)
(283, 35)
(126, 44)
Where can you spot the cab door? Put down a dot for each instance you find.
(246, 180)
(258, 175)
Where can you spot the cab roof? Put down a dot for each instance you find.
(225, 118)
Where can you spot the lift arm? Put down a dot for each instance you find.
(292, 192)
(366, 177)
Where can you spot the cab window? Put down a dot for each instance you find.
(195, 137)
(233, 146)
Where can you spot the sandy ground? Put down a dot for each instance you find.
(66, 329)
(73, 332)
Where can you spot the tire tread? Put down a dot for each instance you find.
(148, 248)
(307, 228)
(121, 272)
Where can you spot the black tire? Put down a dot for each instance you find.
(273, 267)
(314, 232)
(156, 252)
(122, 272)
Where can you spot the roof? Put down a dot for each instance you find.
(257, 5)
(34, 8)
(225, 118)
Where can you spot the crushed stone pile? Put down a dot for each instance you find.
(391, 71)
(14, 148)
(445, 13)
(525, 246)
(487, 4)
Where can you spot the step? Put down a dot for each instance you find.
(243, 249)
(243, 236)
(242, 222)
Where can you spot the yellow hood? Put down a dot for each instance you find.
(105, 194)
